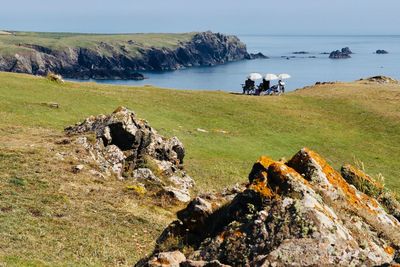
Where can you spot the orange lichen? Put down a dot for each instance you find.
(262, 188)
(389, 250)
(259, 171)
(265, 161)
(334, 178)
(227, 234)
(283, 171)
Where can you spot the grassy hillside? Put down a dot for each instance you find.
(49, 216)
(10, 43)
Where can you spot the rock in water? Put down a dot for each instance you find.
(130, 148)
(379, 51)
(346, 50)
(298, 213)
(340, 54)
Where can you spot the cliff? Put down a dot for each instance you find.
(116, 57)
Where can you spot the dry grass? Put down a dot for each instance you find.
(50, 216)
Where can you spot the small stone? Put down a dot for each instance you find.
(176, 194)
(77, 168)
(170, 259)
(51, 105)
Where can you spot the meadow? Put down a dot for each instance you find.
(49, 216)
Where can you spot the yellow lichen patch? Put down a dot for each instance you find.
(265, 161)
(259, 171)
(389, 250)
(284, 171)
(138, 189)
(262, 188)
(358, 200)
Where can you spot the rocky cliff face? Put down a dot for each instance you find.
(106, 61)
(296, 213)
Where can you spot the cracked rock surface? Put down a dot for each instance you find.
(128, 147)
(296, 213)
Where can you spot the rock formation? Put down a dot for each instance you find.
(112, 61)
(296, 213)
(380, 51)
(341, 54)
(380, 80)
(300, 53)
(128, 147)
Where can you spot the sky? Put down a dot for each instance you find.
(311, 17)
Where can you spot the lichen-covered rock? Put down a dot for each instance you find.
(298, 213)
(145, 174)
(361, 180)
(372, 188)
(126, 145)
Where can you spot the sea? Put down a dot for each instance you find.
(304, 69)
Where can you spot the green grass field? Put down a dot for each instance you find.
(50, 217)
(16, 42)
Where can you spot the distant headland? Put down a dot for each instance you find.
(115, 56)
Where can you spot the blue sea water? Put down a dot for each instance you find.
(303, 69)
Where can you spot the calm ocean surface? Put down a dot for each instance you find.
(304, 70)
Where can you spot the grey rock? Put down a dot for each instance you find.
(339, 55)
(78, 168)
(380, 51)
(296, 213)
(125, 145)
(145, 174)
(167, 259)
(176, 194)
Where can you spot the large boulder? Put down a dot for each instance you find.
(296, 213)
(127, 146)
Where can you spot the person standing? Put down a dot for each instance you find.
(281, 85)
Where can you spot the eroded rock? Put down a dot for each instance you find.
(296, 213)
(129, 147)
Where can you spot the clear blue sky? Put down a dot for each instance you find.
(228, 16)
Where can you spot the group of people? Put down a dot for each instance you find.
(264, 87)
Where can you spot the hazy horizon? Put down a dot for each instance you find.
(263, 17)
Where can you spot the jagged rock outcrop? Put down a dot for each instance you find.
(129, 147)
(113, 61)
(296, 213)
(341, 54)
